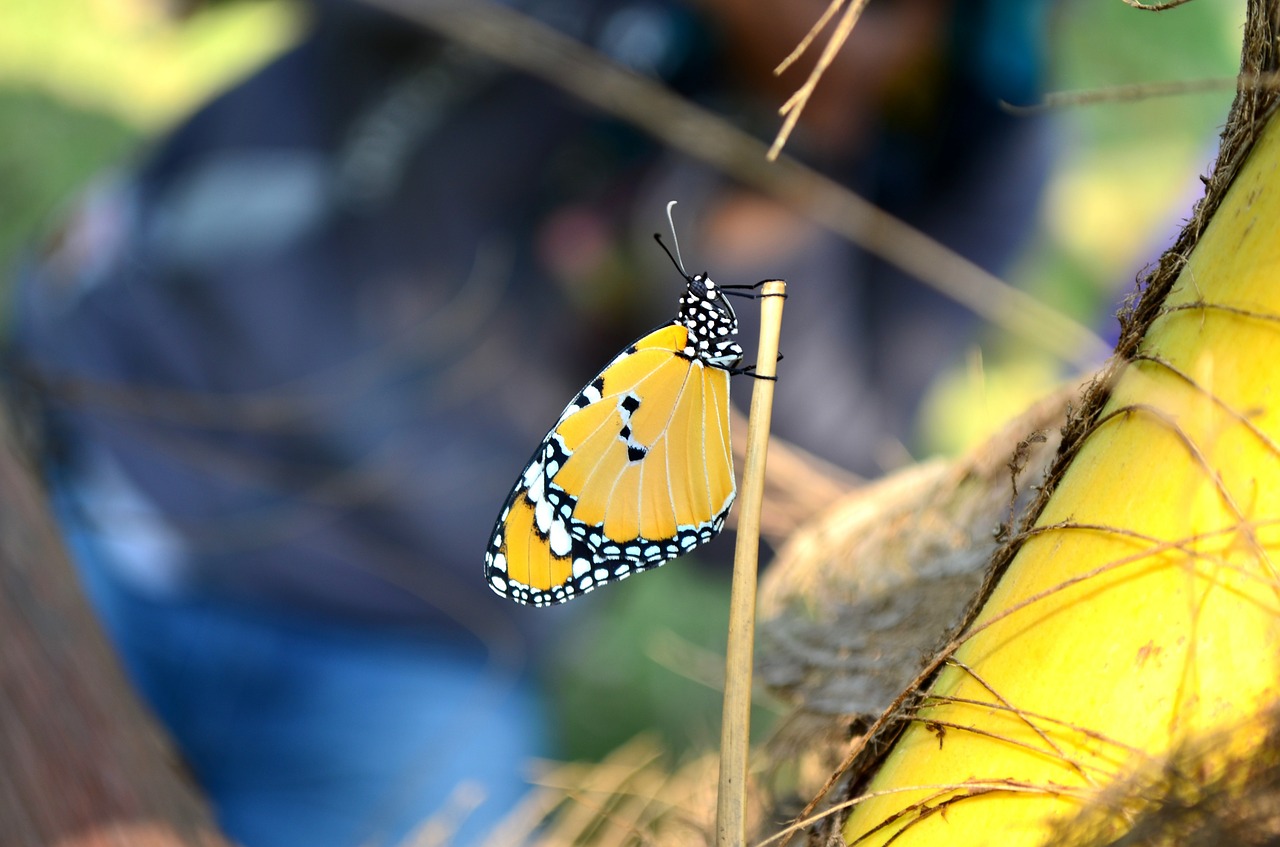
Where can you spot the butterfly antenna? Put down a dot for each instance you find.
(676, 258)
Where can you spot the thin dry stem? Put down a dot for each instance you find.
(814, 31)
(795, 104)
(1044, 736)
(1128, 751)
(735, 744)
(1138, 91)
(1154, 7)
(984, 786)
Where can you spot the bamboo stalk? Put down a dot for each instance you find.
(1139, 615)
(731, 804)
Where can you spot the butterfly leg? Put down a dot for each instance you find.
(740, 291)
(750, 370)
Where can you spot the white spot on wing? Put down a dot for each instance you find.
(542, 515)
(531, 473)
(559, 539)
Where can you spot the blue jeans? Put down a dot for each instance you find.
(305, 733)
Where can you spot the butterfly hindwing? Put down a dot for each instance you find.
(636, 471)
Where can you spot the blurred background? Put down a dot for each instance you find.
(84, 82)
(88, 84)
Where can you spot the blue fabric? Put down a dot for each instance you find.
(319, 733)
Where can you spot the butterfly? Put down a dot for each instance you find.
(637, 470)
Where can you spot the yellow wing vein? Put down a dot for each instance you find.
(657, 367)
(702, 445)
(666, 428)
(726, 445)
(590, 472)
(666, 435)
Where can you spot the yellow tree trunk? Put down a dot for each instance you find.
(1142, 610)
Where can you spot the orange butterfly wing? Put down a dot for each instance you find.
(637, 471)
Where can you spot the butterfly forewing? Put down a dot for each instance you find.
(637, 471)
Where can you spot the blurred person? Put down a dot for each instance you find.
(290, 361)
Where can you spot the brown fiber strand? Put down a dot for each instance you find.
(1155, 7)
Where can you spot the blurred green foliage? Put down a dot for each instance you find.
(132, 58)
(1126, 178)
(648, 657)
(82, 81)
(49, 150)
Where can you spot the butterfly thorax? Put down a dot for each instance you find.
(711, 324)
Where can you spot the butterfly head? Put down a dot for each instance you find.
(711, 322)
(705, 313)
